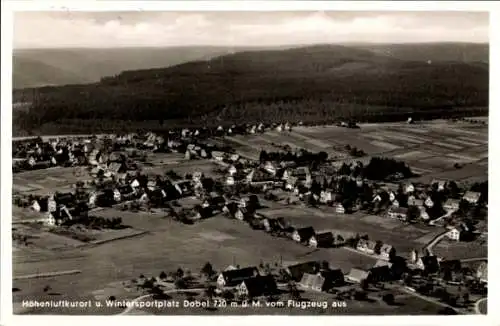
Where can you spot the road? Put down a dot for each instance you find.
(477, 307)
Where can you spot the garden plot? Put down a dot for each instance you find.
(385, 222)
(384, 145)
(404, 137)
(475, 140)
(459, 158)
(462, 142)
(446, 145)
(412, 155)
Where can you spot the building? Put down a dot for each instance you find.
(454, 234)
(339, 208)
(236, 276)
(482, 272)
(357, 275)
(323, 281)
(441, 184)
(297, 271)
(257, 286)
(386, 251)
(451, 205)
(428, 202)
(472, 197)
(398, 212)
(321, 240)
(303, 235)
(429, 264)
(409, 188)
(366, 246)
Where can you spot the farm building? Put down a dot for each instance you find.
(429, 264)
(454, 234)
(297, 271)
(236, 276)
(357, 275)
(366, 246)
(472, 197)
(257, 286)
(451, 205)
(322, 240)
(323, 281)
(303, 235)
(386, 251)
(339, 208)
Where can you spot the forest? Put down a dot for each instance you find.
(311, 84)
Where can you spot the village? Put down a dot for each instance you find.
(317, 200)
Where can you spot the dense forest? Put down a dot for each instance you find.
(311, 84)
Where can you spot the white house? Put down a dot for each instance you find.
(395, 203)
(117, 196)
(279, 128)
(230, 181)
(472, 197)
(451, 205)
(428, 202)
(325, 197)
(377, 198)
(51, 204)
(232, 170)
(35, 206)
(92, 199)
(135, 184)
(49, 219)
(409, 188)
(454, 234)
(392, 196)
(339, 208)
(269, 167)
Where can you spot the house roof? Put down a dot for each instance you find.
(306, 233)
(357, 274)
(298, 270)
(236, 276)
(381, 262)
(260, 285)
(370, 244)
(431, 263)
(386, 248)
(324, 237)
(472, 196)
(451, 202)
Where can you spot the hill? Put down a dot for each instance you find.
(315, 83)
(42, 67)
(435, 52)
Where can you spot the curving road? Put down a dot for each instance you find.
(477, 306)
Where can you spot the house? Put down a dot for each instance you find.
(339, 208)
(398, 212)
(366, 246)
(423, 214)
(135, 183)
(412, 201)
(218, 155)
(244, 213)
(230, 180)
(303, 235)
(270, 168)
(116, 168)
(49, 219)
(395, 203)
(323, 281)
(151, 185)
(392, 196)
(454, 234)
(387, 251)
(36, 206)
(230, 209)
(257, 286)
(429, 264)
(409, 188)
(472, 197)
(234, 277)
(377, 199)
(357, 275)
(482, 272)
(92, 197)
(428, 202)
(382, 262)
(321, 240)
(232, 170)
(451, 205)
(441, 184)
(51, 204)
(297, 271)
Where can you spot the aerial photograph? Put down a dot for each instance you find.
(250, 163)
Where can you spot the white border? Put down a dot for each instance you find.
(6, 317)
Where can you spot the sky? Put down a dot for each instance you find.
(157, 29)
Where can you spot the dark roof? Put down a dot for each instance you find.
(431, 264)
(236, 276)
(260, 285)
(325, 237)
(298, 270)
(306, 233)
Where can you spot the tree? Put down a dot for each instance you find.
(378, 246)
(210, 291)
(163, 275)
(413, 213)
(388, 298)
(179, 273)
(364, 284)
(180, 284)
(208, 270)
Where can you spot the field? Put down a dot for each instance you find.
(430, 148)
(181, 166)
(403, 237)
(43, 182)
